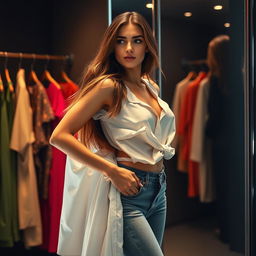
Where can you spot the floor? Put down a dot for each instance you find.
(196, 238)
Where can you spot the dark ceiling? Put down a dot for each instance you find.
(203, 12)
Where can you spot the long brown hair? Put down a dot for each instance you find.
(105, 66)
(218, 59)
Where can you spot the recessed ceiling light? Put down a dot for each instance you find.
(218, 7)
(149, 5)
(188, 14)
(227, 25)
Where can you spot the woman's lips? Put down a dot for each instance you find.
(129, 58)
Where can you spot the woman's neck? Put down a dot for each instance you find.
(132, 76)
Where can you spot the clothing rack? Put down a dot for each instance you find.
(194, 65)
(193, 62)
(35, 56)
(67, 59)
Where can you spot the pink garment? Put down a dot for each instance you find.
(51, 208)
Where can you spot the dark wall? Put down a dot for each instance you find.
(181, 40)
(25, 27)
(78, 28)
(52, 27)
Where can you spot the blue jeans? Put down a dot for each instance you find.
(144, 215)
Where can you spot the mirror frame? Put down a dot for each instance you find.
(156, 21)
(250, 125)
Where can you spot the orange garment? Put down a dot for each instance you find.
(185, 130)
(178, 101)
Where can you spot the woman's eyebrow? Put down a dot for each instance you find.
(123, 37)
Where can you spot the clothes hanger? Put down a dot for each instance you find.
(47, 76)
(191, 75)
(32, 78)
(7, 75)
(64, 75)
(1, 84)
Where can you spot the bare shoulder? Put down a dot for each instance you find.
(106, 85)
(101, 94)
(106, 89)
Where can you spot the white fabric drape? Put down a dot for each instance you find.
(92, 215)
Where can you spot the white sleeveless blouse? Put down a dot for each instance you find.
(137, 131)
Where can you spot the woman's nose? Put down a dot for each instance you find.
(129, 47)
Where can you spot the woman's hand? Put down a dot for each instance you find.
(126, 181)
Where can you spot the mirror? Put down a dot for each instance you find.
(213, 223)
(206, 202)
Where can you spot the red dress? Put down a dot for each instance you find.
(51, 208)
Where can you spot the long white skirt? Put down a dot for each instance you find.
(91, 219)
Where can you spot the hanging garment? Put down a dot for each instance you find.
(51, 208)
(92, 214)
(21, 141)
(9, 230)
(68, 89)
(178, 142)
(201, 150)
(10, 101)
(42, 115)
(185, 129)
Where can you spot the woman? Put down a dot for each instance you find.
(117, 113)
(217, 125)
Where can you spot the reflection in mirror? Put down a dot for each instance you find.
(206, 178)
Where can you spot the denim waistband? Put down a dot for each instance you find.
(146, 175)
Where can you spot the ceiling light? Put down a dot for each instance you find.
(149, 5)
(218, 7)
(188, 14)
(227, 25)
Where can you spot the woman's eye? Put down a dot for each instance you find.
(120, 41)
(138, 41)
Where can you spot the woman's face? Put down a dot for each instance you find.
(130, 46)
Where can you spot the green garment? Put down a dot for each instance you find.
(9, 230)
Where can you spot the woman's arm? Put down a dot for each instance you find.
(62, 137)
